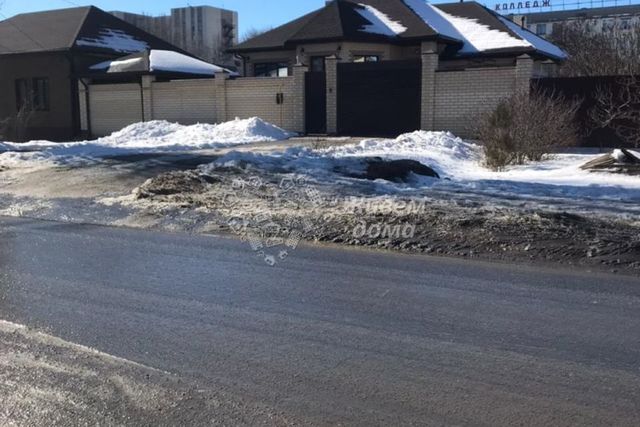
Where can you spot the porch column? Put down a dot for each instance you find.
(331, 69)
(524, 73)
(220, 102)
(147, 98)
(299, 99)
(429, 58)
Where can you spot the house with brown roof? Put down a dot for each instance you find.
(40, 56)
(386, 30)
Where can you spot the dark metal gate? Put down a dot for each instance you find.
(316, 102)
(379, 98)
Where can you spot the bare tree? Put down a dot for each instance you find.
(253, 32)
(617, 107)
(614, 51)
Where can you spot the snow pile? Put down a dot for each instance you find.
(146, 137)
(445, 153)
(380, 23)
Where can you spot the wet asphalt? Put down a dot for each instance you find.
(336, 336)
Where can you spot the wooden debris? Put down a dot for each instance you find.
(619, 161)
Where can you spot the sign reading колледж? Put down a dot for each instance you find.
(522, 5)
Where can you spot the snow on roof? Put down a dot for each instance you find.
(478, 37)
(380, 23)
(116, 40)
(167, 60)
(540, 44)
(434, 18)
(116, 66)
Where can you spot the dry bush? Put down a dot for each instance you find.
(526, 128)
(16, 128)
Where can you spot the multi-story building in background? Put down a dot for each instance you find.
(601, 19)
(204, 31)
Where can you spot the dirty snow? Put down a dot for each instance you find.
(116, 40)
(145, 137)
(380, 22)
(558, 180)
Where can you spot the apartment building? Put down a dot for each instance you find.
(204, 31)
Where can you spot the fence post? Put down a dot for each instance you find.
(524, 73)
(147, 97)
(220, 82)
(299, 98)
(430, 60)
(331, 69)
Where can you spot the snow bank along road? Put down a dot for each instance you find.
(332, 336)
(227, 178)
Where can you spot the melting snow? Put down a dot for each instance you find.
(380, 23)
(434, 18)
(116, 66)
(116, 40)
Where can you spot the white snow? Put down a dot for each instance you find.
(380, 22)
(117, 66)
(167, 60)
(116, 40)
(478, 37)
(538, 43)
(153, 136)
(434, 18)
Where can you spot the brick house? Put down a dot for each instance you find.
(40, 56)
(354, 67)
(465, 54)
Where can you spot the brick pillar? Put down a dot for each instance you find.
(331, 69)
(299, 98)
(220, 82)
(524, 73)
(147, 97)
(429, 66)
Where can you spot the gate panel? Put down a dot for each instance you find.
(316, 102)
(379, 98)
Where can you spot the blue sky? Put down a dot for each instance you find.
(253, 13)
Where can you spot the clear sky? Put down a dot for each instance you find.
(252, 13)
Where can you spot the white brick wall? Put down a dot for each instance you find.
(462, 95)
(185, 101)
(113, 107)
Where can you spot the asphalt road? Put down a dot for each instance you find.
(334, 336)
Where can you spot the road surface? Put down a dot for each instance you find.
(330, 336)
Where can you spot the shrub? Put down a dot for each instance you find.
(526, 128)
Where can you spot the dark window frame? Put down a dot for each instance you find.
(33, 94)
(366, 58)
(313, 63)
(270, 69)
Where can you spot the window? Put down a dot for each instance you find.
(541, 29)
(271, 69)
(366, 58)
(317, 64)
(32, 94)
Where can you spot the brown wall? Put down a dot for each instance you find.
(55, 124)
(344, 50)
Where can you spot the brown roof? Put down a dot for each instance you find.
(80, 28)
